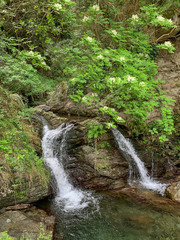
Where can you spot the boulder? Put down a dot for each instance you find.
(31, 223)
(23, 193)
(173, 191)
(51, 117)
(60, 103)
(95, 163)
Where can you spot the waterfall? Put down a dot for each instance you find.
(54, 151)
(130, 154)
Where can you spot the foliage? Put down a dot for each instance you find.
(40, 22)
(18, 70)
(164, 4)
(117, 72)
(107, 57)
(42, 235)
(37, 26)
(17, 151)
(95, 130)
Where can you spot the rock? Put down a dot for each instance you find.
(23, 177)
(19, 207)
(31, 223)
(52, 118)
(173, 191)
(61, 103)
(17, 100)
(23, 193)
(169, 72)
(101, 167)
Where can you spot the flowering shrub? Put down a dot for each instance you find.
(107, 63)
(121, 71)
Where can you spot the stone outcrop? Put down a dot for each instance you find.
(169, 71)
(31, 223)
(61, 104)
(53, 119)
(173, 191)
(97, 165)
(24, 193)
(20, 181)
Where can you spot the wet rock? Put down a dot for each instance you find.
(30, 223)
(173, 191)
(142, 221)
(146, 197)
(101, 167)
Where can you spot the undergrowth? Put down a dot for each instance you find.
(19, 159)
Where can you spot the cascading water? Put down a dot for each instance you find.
(129, 152)
(54, 151)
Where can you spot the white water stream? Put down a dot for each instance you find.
(54, 151)
(130, 154)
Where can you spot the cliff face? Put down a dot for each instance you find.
(169, 71)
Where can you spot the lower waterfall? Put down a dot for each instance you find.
(54, 152)
(130, 154)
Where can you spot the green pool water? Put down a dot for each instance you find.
(118, 218)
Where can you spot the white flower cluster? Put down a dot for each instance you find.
(122, 59)
(168, 44)
(105, 108)
(114, 32)
(96, 7)
(58, 6)
(130, 79)
(162, 19)
(112, 79)
(143, 55)
(110, 125)
(100, 56)
(31, 53)
(84, 98)
(38, 56)
(73, 80)
(94, 95)
(119, 119)
(85, 19)
(170, 21)
(89, 39)
(106, 51)
(135, 17)
(67, 1)
(142, 84)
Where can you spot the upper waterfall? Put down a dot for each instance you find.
(54, 151)
(130, 154)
